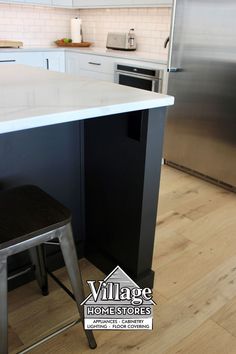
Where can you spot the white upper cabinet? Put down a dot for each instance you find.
(94, 3)
(36, 2)
(62, 3)
(120, 3)
(56, 3)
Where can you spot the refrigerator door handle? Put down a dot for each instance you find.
(174, 70)
(169, 68)
(166, 41)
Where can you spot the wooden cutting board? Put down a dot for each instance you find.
(10, 44)
(61, 43)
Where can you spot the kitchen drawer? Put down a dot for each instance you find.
(30, 58)
(96, 63)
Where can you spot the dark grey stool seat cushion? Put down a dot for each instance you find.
(26, 212)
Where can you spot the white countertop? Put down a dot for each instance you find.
(32, 97)
(133, 55)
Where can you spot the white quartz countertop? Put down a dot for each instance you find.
(32, 97)
(132, 55)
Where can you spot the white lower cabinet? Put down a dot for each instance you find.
(54, 61)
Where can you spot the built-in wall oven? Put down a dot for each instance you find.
(139, 77)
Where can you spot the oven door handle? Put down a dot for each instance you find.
(139, 76)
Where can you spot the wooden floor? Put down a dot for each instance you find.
(195, 285)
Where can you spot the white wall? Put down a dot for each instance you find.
(34, 25)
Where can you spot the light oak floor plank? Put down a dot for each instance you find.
(213, 339)
(226, 317)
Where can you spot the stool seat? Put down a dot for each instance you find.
(26, 212)
(29, 218)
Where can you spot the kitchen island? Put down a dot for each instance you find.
(96, 147)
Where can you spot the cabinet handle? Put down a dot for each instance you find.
(93, 63)
(8, 61)
(47, 63)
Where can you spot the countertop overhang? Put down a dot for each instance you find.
(33, 97)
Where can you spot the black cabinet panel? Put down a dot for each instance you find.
(122, 174)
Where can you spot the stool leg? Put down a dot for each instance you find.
(37, 255)
(71, 262)
(3, 307)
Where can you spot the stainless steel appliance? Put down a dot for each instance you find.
(122, 40)
(139, 77)
(201, 128)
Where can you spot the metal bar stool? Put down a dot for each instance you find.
(28, 218)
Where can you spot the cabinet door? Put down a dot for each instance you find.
(54, 61)
(120, 3)
(62, 3)
(72, 63)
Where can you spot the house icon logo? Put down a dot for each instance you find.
(118, 303)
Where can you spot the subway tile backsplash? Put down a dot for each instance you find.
(35, 26)
(152, 26)
(40, 26)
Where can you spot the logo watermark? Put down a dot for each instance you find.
(118, 303)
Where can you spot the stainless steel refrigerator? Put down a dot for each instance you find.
(200, 133)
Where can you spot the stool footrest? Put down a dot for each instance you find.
(27, 270)
(61, 284)
(50, 336)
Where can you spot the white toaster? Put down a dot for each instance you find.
(121, 40)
